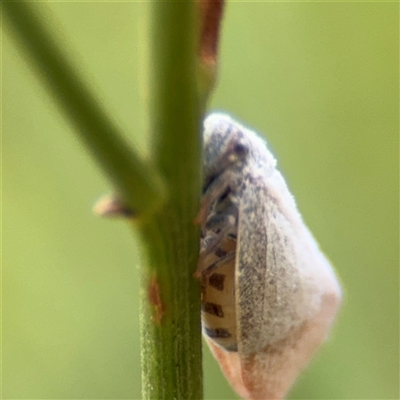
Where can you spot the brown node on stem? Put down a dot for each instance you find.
(155, 300)
(112, 206)
(211, 16)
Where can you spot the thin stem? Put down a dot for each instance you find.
(136, 181)
(170, 321)
(170, 296)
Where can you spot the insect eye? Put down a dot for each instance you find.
(240, 149)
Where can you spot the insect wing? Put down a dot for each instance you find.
(286, 291)
(231, 366)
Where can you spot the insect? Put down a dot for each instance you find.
(269, 295)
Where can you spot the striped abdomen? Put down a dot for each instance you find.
(218, 310)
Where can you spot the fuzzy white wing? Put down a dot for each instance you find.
(286, 291)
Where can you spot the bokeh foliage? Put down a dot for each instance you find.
(320, 80)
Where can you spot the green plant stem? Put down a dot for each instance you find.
(170, 296)
(136, 181)
(170, 318)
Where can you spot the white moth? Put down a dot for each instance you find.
(269, 295)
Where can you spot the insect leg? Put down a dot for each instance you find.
(215, 190)
(208, 269)
(221, 225)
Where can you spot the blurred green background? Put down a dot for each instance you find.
(320, 80)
